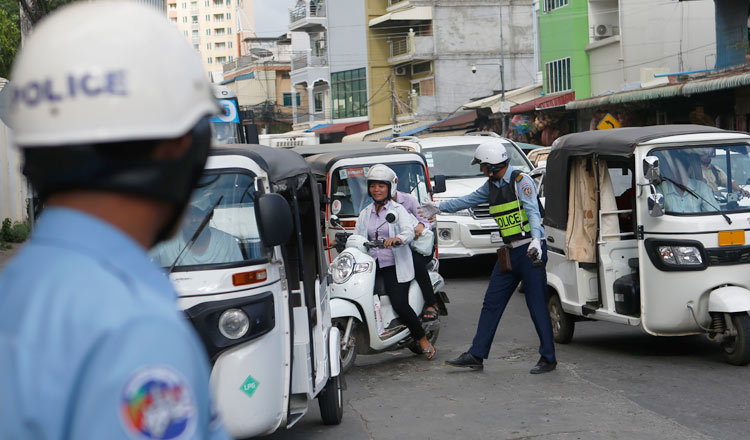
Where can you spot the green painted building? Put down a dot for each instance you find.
(563, 36)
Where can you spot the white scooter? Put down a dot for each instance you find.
(361, 309)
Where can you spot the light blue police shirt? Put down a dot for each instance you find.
(92, 345)
(526, 193)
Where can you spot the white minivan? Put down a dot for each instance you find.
(471, 231)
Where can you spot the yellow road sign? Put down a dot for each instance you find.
(608, 122)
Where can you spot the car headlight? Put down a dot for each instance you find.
(463, 212)
(675, 255)
(234, 323)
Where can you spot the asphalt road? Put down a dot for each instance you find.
(612, 382)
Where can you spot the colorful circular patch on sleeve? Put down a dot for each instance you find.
(526, 188)
(157, 403)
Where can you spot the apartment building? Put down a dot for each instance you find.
(216, 28)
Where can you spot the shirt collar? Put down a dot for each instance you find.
(87, 234)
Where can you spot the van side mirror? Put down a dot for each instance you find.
(274, 219)
(324, 200)
(651, 169)
(655, 204)
(439, 185)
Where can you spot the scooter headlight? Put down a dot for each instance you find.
(344, 266)
(234, 323)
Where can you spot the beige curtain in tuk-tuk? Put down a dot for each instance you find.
(582, 214)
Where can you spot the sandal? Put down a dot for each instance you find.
(429, 315)
(429, 352)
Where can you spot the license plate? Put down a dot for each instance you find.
(731, 238)
(495, 237)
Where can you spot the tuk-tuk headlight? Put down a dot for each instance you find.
(234, 323)
(681, 255)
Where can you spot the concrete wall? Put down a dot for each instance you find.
(468, 34)
(655, 33)
(604, 65)
(13, 186)
(347, 39)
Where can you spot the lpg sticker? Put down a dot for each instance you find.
(157, 403)
(249, 386)
(336, 207)
(526, 189)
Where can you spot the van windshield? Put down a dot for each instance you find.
(349, 186)
(710, 179)
(231, 235)
(454, 162)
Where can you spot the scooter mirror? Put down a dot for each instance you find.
(655, 204)
(334, 221)
(391, 217)
(651, 169)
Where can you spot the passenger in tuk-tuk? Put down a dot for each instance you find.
(714, 175)
(211, 246)
(394, 262)
(682, 185)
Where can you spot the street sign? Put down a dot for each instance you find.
(608, 122)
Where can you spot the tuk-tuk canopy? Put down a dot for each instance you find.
(607, 143)
(321, 163)
(279, 163)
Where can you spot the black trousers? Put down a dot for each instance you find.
(423, 278)
(399, 296)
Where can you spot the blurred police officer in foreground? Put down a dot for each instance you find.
(514, 206)
(109, 105)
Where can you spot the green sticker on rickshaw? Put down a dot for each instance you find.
(249, 386)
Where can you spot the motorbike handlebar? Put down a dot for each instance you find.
(380, 244)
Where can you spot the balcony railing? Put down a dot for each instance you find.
(304, 10)
(308, 60)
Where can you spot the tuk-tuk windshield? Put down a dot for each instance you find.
(454, 162)
(230, 237)
(226, 132)
(709, 179)
(349, 186)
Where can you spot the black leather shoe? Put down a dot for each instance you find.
(466, 360)
(543, 366)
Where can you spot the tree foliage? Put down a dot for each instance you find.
(10, 35)
(35, 10)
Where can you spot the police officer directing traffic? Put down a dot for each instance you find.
(110, 107)
(514, 206)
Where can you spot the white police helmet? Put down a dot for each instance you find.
(492, 153)
(381, 173)
(106, 72)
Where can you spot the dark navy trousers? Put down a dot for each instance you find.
(498, 294)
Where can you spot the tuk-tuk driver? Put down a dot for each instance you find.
(510, 194)
(677, 179)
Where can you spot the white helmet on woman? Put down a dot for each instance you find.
(383, 174)
(491, 153)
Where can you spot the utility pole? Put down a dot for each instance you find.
(502, 66)
(393, 99)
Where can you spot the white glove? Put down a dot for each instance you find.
(429, 209)
(535, 249)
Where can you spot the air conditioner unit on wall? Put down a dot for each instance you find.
(604, 30)
(400, 70)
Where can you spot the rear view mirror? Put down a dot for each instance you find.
(651, 169)
(274, 219)
(324, 200)
(655, 204)
(391, 217)
(439, 185)
(334, 221)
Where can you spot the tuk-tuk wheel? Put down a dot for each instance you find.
(737, 349)
(331, 401)
(563, 324)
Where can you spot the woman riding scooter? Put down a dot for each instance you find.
(394, 262)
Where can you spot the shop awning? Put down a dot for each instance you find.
(692, 86)
(463, 120)
(544, 102)
(512, 97)
(416, 13)
(316, 127)
(344, 127)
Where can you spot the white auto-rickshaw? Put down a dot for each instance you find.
(637, 234)
(249, 267)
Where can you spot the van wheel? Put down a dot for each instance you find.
(737, 348)
(563, 324)
(331, 401)
(348, 348)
